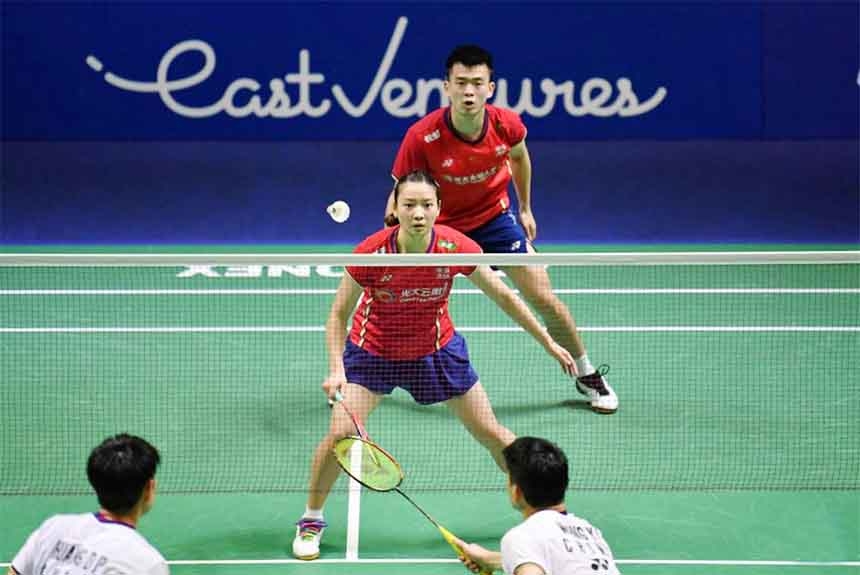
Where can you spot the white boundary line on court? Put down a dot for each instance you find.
(331, 291)
(475, 329)
(716, 562)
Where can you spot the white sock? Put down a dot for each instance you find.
(583, 365)
(313, 513)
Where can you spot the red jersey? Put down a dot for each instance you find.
(403, 312)
(473, 176)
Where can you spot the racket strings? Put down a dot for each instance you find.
(368, 464)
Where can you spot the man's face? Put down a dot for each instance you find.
(469, 88)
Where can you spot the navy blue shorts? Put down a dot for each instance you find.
(430, 379)
(501, 235)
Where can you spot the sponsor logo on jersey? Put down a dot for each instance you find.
(432, 136)
(446, 245)
(423, 294)
(471, 178)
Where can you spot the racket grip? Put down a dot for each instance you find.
(449, 537)
(337, 397)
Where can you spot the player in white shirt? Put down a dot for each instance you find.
(122, 473)
(550, 540)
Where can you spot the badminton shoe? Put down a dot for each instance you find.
(601, 396)
(309, 532)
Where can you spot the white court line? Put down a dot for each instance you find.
(476, 329)
(418, 560)
(467, 291)
(353, 513)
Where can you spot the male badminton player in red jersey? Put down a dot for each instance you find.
(402, 336)
(474, 149)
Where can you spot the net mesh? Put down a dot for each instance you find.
(729, 376)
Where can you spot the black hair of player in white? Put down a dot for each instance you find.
(539, 468)
(119, 469)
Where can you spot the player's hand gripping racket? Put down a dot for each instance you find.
(377, 469)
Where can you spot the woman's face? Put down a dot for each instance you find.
(417, 207)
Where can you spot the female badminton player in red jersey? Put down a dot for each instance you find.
(402, 336)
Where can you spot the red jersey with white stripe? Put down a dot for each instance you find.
(403, 312)
(473, 176)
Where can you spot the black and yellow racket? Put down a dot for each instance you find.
(376, 469)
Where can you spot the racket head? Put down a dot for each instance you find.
(374, 467)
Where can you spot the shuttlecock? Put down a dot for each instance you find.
(339, 211)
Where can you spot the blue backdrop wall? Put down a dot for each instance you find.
(201, 122)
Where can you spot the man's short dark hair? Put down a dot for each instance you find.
(119, 469)
(470, 56)
(539, 468)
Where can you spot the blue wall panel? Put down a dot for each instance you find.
(228, 192)
(210, 122)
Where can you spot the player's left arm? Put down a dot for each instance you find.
(487, 281)
(521, 169)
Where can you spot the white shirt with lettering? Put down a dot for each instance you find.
(559, 543)
(87, 544)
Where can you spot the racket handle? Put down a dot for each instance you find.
(337, 397)
(449, 537)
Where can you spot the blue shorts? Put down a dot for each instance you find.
(430, 379)
(501, 235)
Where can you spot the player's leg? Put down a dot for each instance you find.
(534, 286)
(473, 409)
(325, 470)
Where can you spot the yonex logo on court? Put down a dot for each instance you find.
(260, 271)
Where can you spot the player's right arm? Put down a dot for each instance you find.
(479, 558)
(11, 571)
(344, 302)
